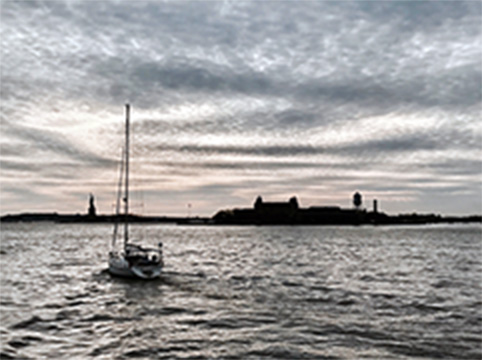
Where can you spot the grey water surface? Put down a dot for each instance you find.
(244, 293)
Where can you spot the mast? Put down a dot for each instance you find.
(126, 197)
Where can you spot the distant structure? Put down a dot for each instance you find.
(290, 213)
(357, 200)
(274, 212)
(289, 206)
(92, 211)
(262, 213)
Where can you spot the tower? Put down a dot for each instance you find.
(294, 203)
(258, 203)
(357, 200)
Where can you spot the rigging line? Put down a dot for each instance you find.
(118, 201)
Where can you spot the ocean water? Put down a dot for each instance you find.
(398, 292)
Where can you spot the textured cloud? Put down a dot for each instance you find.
(233, 99)
(47, 143)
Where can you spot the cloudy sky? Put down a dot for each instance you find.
(234, 99)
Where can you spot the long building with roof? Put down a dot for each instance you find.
(270, 213)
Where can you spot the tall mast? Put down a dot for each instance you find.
(126, 197)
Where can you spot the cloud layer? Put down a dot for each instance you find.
(235, 99)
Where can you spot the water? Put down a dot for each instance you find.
(245, 292)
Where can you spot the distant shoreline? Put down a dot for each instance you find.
(261, 213)
(366, 218)
(88, 219)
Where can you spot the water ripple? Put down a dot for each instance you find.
(245, 293)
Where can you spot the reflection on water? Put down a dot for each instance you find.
(244, 292)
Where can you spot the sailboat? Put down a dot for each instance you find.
(131, 260)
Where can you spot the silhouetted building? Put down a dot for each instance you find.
(375, 206)
(276, 212)
(283, 207)
(289, 213)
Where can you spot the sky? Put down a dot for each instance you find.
(235, 99)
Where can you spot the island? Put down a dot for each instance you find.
(290, 213)
(261, 213)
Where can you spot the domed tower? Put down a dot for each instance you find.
(258, 203)
(294, 203)
(357, 200)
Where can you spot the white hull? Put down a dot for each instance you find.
(119, 266)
